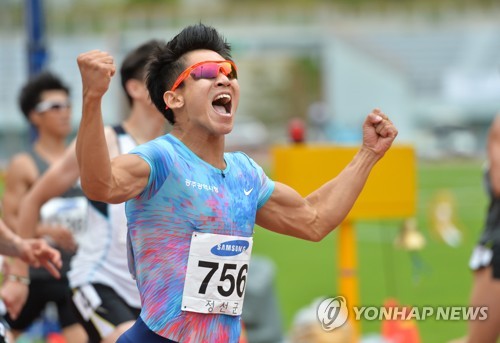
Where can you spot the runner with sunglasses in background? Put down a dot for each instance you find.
(45, 103)
(191, 207)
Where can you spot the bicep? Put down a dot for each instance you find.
(130, 177)
(287, 212)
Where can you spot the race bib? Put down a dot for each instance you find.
(70, 213)
(216, 275)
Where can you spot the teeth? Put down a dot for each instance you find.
(222, 96)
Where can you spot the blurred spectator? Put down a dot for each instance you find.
(307, 328)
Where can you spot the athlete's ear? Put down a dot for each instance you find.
(136, 89)
(173, 99)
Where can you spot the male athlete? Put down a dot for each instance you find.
(191, 207)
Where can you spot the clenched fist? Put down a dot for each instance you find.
(378, 132)
(96, 69)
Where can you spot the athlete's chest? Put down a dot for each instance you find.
(210, 199)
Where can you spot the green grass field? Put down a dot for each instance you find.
(308, 270)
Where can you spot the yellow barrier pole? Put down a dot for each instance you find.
(348, 263)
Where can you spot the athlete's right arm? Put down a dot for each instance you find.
(103, 180)
(21, 173)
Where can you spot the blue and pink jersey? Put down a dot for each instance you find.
(185, 195)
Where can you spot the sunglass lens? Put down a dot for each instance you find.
(49, 106)
(228, 70)
(206, 71)
(211, 70)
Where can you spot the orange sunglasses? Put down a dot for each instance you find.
(207, 70)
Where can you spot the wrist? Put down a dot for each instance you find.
(18, 245)
(25, 280)
(92, 97)
(369, 155)
(18, 267)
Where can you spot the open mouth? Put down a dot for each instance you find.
(222, 104)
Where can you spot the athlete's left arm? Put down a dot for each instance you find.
(316, 215)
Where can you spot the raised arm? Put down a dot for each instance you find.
(315, 216)
(103, 180)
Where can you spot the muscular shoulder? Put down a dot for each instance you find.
(161, 147)
(241, 159)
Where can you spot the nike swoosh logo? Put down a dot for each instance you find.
(247, 192)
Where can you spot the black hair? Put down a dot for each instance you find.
(167, 61)
(31, 93)
(135, 62)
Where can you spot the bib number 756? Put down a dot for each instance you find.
(216, 274)
(235, 283)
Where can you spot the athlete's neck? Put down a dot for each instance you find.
(144, 126)
(209, 148)
(50, 148)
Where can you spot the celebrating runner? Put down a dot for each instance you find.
(191, 207)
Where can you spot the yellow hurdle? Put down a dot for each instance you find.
(390, 193)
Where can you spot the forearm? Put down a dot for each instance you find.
(10, 213)
(9, 242)
(312, 218)
(28, 218)
(11, 245)
(323, 210)
(92, 151)
(332, 202)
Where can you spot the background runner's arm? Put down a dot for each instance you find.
(61, 176)
(34, 251)
(20, 175)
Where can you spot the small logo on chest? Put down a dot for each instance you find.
(202, 186)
